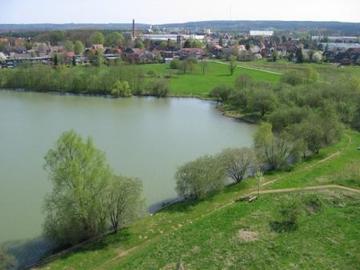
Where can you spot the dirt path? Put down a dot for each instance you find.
(250, 68)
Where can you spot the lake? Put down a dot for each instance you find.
(147, 138)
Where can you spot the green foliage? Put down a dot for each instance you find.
(193, 43)
(292, 78)
(243, 82)
(232, 65)
(97, 38)
(238, 163)
(86, 197)
(121, 89)
(221, 93)
(159, 88)
(79, 47)
(175, 64)
(139, 44)
(262, 101)
(198, 178)
(124, 201)
(114, 39)
(272, 150)
(79, 175)
(69, 46)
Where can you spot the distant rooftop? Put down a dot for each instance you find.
(261, 33)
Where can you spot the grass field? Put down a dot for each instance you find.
(198, 84)
(220, 234)
(326, 71)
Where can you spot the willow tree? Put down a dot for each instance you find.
(79, 173)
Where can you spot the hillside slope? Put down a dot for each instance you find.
(220, 233)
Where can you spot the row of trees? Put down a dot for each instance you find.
(298, 117)
(119, 80)
(87, 197)
(208, 174)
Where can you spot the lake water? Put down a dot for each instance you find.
(143, 137)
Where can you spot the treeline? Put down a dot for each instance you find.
(306, 111)
(297, 117)
(117, 80)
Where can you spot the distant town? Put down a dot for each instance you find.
(155, 45)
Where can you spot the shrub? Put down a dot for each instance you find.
(292, 78)
(159, 88)
(221, 93)
(121, 89)
(238, 162)
(175, 64)
(198, 178)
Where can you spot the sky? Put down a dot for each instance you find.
(168, 11)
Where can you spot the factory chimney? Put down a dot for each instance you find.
(133, 29)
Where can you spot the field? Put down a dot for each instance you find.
(326, 71)
(219, 233)
(198, 84)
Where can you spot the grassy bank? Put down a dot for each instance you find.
(219, 233)
(198, 84)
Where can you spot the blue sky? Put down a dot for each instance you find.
(164, 11)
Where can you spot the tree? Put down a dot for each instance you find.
(97, 38)
(200, 177)
(238, 162)
(204, 66)
(139, 44)
(79, 173)
(232, 65)
(69, 46)
(299, 55)
(114, 39)
(274, 151)
(121, 89)
(159, 88)
(274, 55)
(124, 201)
(78, 47)
(56, 60)
(221, 93)
(262, 101)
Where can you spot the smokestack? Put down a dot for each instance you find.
(133, 29)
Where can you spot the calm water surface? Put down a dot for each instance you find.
(143, 137)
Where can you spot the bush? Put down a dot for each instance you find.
(121, 89)
(175, 64)
(198, 178)
(292, 78)
(238, 163)
(221, 93)
(159, 88)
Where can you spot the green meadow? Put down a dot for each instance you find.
(223, 233)
(199, 84)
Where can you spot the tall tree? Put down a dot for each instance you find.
(114, 39)
(124, 201)
(69, 46)
(238, 162)
(78, 47)
(97, 38)
(232, 65)
(79, 173)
